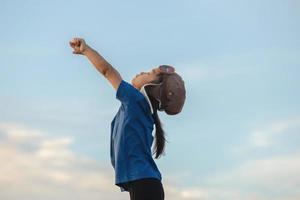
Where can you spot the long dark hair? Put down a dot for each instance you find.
(160, 140)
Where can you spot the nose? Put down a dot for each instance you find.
(140, 74)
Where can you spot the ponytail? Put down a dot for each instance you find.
(160, 139)
(159, 136)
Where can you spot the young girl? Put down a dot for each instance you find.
(160, 89)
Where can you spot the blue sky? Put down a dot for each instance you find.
(236, 138)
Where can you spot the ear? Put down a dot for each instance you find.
(159, 78)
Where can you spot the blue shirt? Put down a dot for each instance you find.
(131, 137)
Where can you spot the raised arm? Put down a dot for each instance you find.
(107, 70)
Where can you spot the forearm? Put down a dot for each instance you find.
(109, 72)
(97, 60)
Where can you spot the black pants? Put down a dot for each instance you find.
(146, 189)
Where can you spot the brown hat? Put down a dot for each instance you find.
(172, 93)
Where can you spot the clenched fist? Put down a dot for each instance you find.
(79, 46)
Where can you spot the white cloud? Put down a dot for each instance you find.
(37, 166)
(267, 136)
(50, 170)
(46, 168)
(271, 176)
(17, 133)
(194, 193)
(275, 174)
(274, 177)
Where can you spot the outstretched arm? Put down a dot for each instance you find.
(107, 70)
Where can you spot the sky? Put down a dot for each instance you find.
(237, 137)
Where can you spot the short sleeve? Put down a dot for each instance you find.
(126, 93)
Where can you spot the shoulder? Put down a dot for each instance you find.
(127, 93)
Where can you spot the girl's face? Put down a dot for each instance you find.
(145, 77)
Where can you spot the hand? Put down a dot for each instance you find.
(79, 46)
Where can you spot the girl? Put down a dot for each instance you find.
(160, 89)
